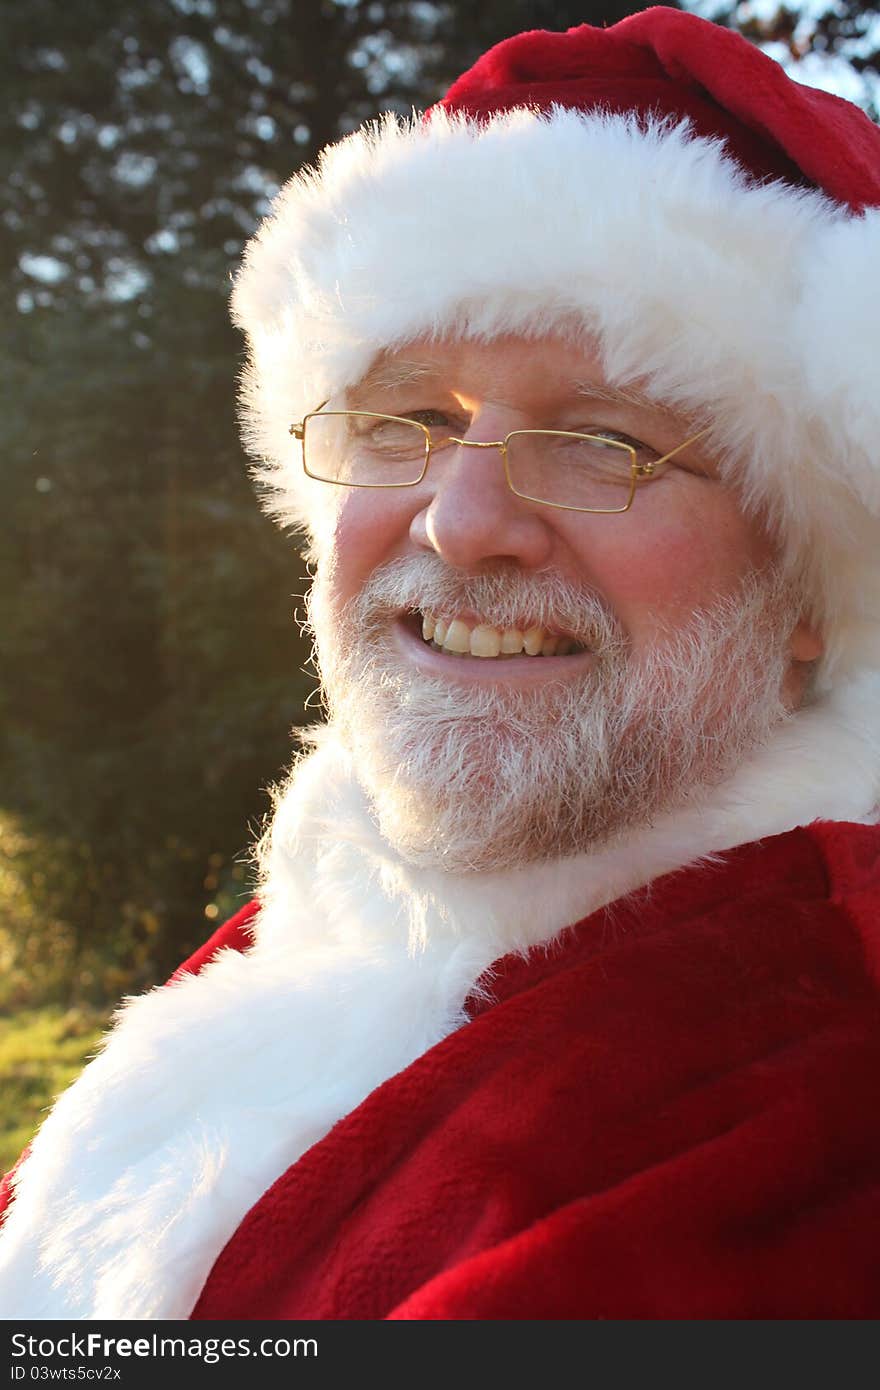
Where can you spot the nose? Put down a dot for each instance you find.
(472, 516)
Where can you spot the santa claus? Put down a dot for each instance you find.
(558, 996)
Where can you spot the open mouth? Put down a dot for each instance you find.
(466, 636)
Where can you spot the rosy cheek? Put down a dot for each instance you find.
(656, 575)
(367, 531)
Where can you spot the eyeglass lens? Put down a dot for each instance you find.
(366, 450)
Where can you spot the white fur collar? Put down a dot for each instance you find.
(208, 1090)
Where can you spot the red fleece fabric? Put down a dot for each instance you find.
(667, 63)
(671, 1113)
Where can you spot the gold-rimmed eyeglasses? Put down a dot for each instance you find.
(556, 468)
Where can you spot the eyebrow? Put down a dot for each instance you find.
(386, 376)
(621, 395)
(390, 375)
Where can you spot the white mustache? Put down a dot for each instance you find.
(504, 597)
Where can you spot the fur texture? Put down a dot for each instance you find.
(207, 1090)
(751, 305)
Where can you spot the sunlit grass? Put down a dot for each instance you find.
(41, 1051)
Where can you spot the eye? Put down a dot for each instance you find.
(440, 420)
(644, 452)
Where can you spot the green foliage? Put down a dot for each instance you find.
(76, 927)
(41, 1051)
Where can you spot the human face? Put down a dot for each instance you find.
(684, 543)
(681, 625)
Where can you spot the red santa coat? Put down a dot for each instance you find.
(673, 1113)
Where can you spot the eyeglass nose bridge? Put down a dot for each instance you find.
(500, 444)
(479, 443)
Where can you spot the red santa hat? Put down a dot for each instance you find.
(663, 186)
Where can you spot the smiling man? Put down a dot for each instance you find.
(555, 672)
(558, 997)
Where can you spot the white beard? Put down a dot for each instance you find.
(476, 779)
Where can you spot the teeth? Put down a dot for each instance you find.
(458, 637)
(487, 641)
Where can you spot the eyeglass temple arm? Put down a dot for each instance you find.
(298, 430)
(645, 470)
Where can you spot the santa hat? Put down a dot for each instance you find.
(661, 183)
